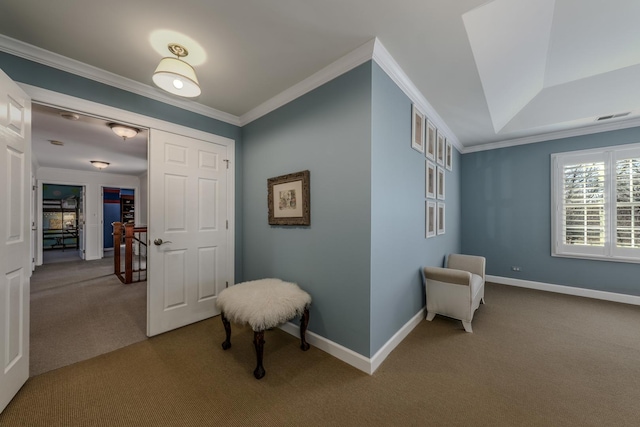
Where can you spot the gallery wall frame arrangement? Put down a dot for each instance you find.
(417, 129)
(427, 139)
(288, 199)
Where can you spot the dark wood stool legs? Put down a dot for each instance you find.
(304, 322)
(258, 340)
(258, 343)
(227, 328)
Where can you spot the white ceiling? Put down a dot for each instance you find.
(497, 71)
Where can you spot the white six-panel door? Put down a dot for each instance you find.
(15, 234)
(187, 230)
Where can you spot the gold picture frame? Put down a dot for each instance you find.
(288, 198)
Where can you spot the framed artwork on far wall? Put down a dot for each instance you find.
(448, 156)
(440, 184)
(441, 218)
(442, 142)
(430, 150)
(431, 180)
(288, 197)
(417, 129)
(430, 218)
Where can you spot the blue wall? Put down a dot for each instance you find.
(32, 73)
(506, 215)
(398, 245)
(361, 257)
(328, 132)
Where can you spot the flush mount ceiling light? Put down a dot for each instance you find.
(123, 131)
(69, 116)
(176, 76)
(99, 164)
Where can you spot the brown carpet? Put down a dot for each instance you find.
(79, 310)
(534, 359)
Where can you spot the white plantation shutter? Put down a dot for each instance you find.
(584, 204)
(596, 204)
(627, 203)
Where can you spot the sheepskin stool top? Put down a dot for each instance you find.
(263, 304)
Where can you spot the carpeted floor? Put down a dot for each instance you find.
(79, 310)
(534, 359)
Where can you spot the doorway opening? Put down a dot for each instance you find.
(79, 308)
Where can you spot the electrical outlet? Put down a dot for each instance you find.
(515, 268)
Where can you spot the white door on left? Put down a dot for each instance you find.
(15, 234)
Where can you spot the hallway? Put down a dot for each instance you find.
(79, 310)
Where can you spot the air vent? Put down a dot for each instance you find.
(613, 116)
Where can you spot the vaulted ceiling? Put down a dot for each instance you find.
(503, 71)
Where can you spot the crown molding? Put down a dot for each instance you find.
(581, 131)
(384, 59)
(50, 59)
(372, 50)
(348, 62)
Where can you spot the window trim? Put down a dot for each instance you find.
(610, 251)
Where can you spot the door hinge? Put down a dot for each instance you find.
(227, 224)
(227, 162)
(227, 285)
(34, 187)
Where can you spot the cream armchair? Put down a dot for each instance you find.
(455, 291)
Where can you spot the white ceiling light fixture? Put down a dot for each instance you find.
(123, 131)
(176, 76)
(99, 164)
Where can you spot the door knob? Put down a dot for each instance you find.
(159, 241)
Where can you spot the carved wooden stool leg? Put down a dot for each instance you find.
(258, 343)
(304, 322)
(227, 328)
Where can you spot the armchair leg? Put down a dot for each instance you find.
(430, 315)
(467, 326)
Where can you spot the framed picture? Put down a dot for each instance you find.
(442, 141)
(430, 217)
(440, 184)
(441, 218)
(417, 129)
(448, 156)
(288, 197)
(431, 180)
(430, 151)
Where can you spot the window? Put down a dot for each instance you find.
(595, 201)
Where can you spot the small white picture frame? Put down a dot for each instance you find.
(448, 156)
(430, 218)
(442, 141)
(430, 180)
(417, 129)
(441, 218)
(432, 132)
(440, 185)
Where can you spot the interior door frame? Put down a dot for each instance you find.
(70, 103)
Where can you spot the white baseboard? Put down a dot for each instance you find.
(358, 361)
(568, 290)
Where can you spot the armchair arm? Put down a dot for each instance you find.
(471, 263)
(448, 275)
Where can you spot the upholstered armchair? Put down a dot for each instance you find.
(457, 290)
